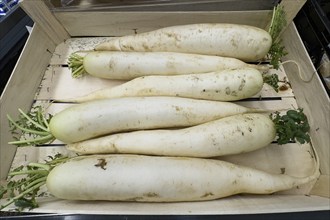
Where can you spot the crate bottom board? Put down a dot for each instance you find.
(234, 205)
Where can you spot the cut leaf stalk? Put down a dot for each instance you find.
(23, 192)
(35, 125)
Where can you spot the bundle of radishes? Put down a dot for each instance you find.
(153, 137)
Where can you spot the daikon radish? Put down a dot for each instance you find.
(161, 179)
(225, 85)
(143, 179)
(92, 119)
(243, 42)
(130, 65)
(231, 135)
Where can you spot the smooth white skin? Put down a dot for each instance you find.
(231, 135)
(101, 117)
(129, 65)
(226, 85)
(243, 42)
(160, 179)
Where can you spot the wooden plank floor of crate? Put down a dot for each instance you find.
(293, 159)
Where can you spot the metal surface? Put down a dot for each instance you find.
(316, 215)
(163, 5)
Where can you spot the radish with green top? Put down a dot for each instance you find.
(230, 135)
(92, 119)
(130, 65)
(146, 179)
(164, 179)
(243, 42)
(225, 85)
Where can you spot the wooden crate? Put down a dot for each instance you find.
(41, 74)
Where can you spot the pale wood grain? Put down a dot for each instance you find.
(40, 14)
(114, 24)
(311, 96)
(21, 88)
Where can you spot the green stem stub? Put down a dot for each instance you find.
(76, 64)
(31, 128)
(291, 127)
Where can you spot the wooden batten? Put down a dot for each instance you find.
(114, 24)
(21, 88)
(312, 97)
(291, 7)
(40, 14)
(109, 23)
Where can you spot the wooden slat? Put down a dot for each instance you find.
(241, 204)
(234, 205)
(115, 24)
(21, 88)
(311, 96)
(40, 14)
(58, 84)
(71, 45)
(291, 8)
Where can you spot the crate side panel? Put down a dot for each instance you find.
(322, 187)
(121, 23)
(39, 12)
(311, 95)
(22, 86)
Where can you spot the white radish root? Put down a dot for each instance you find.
(130, 65)
(243, 42)
(101, 117)
(161, 179)
(225, 85)
(230, 135)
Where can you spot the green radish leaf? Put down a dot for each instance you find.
(271, 80)
(291, 127)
